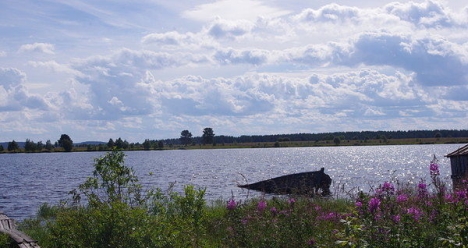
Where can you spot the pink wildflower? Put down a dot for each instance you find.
(396, 218)
(422, 188)
(415, 212)
(434, 169)
(262, 204)
(388, 188)
(402, 198)
(231, 204)
(374, 204)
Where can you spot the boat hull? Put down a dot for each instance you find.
(305, 183)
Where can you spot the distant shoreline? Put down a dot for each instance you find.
(276, 144)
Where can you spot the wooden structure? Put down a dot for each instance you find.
(305, 183)
(459, 166)
(21, 240)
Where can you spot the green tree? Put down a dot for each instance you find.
(39, 146)
(110, 143)
(1, 148)
(49, 146)
(147, 144)
(29, 146)
(66, 142)
(160, 145)
(112, 182)
(337, 140)
(185, 137)
(208, 136)
(13, 146)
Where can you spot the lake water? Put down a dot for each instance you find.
(28, 180)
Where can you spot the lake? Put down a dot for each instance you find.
(28, 180)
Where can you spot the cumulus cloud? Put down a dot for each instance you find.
(333, 13)
(251, 64)
(38, 47)
(428, 14)
(15, 96)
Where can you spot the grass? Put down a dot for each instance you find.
(392, 215)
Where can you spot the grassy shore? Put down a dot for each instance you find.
(110, 210)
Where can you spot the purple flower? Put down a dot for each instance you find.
(388, 188)
(231, 204)
(415, 212)
(374, 204)
(402, 198)
(262, 204)
(461, 194)
(273, 210)
(422, 188)
(311, 242)
(434, 169)
(396, 218)
(358, 204)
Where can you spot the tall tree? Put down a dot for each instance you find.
(48, 145)
(147, 144)
(39, 145)
(1, 148)
(185, 137)
(66, 142)
(13, 146)
(29, 146)
(110, 143)
(208, 136)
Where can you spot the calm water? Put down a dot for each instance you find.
(28, 180)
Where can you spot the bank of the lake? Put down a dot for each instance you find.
(392, 214)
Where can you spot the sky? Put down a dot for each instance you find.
(149, 69)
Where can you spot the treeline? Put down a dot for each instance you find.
(355, 135)
(209, 138)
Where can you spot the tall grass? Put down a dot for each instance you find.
(392, 215)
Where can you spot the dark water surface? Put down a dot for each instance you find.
(28, 180)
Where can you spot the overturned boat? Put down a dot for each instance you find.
(305, 183)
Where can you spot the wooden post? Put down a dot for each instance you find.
(22, 240)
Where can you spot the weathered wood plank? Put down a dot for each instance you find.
(22, 240)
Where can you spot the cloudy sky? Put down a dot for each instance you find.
(151, 68)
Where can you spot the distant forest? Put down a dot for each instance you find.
(354, 135)
(322, 138)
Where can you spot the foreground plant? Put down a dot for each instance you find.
(110, 209)
(408, 218)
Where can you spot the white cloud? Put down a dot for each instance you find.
(38, 47)
(15, 96)
(233, 10)
(242, 65)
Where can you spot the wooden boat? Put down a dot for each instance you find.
(305, 183)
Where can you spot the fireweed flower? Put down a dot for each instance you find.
(402, 198)
(422, 188)
(262, 204)
(415, 212)
(374, 204)
(388, 188)
(396, 218)
(273, 210)
(434, 169)
(358, 204)
(231, 204)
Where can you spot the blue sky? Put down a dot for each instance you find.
(149, 69)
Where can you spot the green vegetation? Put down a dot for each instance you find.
(110, 209)
(208, 140)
